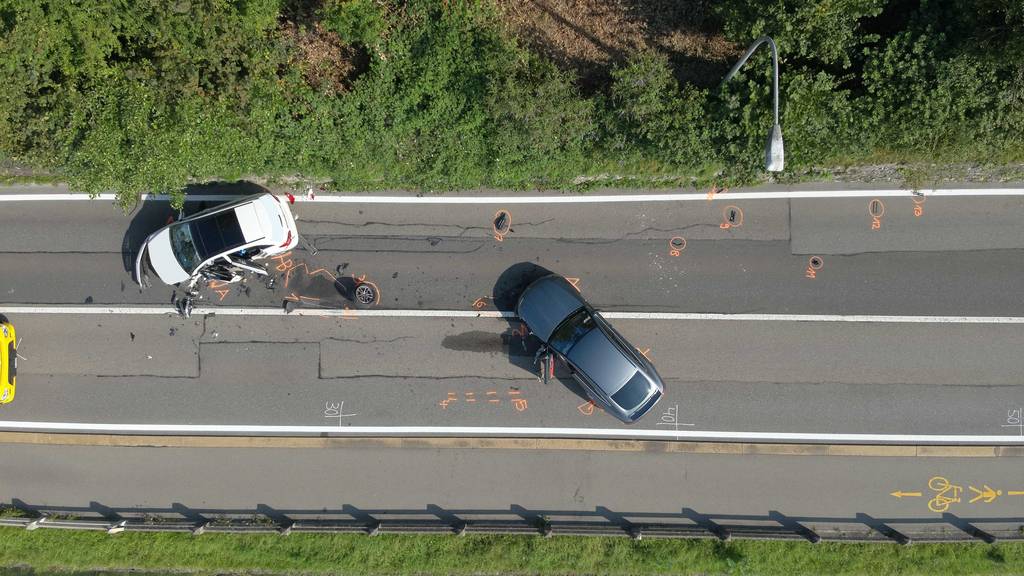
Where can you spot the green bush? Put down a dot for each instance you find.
(827, 31)
(147, 95)
(651, 115)
(355, 21)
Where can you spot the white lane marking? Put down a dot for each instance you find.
(563, 199)
(384, 313)
(514, 431)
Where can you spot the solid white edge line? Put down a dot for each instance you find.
(11, 425)
(565, 199)
(383, 313)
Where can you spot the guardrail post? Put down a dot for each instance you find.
(199, 529)
(969, 528)
(117, 527)
(636, 533)
(459, 528)
(373, 529)
(708, 524)
(286, 530)
(884, 529)
(794, 526)
(36, 523)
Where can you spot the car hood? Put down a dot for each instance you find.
(162, 260)
(546, 302)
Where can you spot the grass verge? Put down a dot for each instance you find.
(408, 554)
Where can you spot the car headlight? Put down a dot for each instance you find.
(5, 396)
(6, 333)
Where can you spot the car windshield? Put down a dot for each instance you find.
(184, 247)
(571, 330)
(633, 393)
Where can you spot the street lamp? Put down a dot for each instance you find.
(773, 153)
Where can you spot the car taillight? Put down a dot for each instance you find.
(287, 240)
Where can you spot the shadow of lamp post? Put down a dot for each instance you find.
(774, 154)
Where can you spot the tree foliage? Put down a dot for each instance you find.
(146, 95)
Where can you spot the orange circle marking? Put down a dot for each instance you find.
(732, 217)
(915, 199)
(506, 217)
(876, 208)
(376, 290)
(677, 243)
(815, 262)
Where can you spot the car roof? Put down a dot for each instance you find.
(602, 360)
(235, 226)
(546, 303)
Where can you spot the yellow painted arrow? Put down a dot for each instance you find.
(901, 494)
(987, 495)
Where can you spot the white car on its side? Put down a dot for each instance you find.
(231, 234)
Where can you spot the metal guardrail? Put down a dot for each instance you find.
(517, 520)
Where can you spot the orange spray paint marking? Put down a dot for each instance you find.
(587, 408)
(575, 283)
(520, 331)
(715, 191)
(348, 313)
(501, 224)
(645, 352)
(519, 404)
(376, 290)
(813, 265)
(732, 217)
(220, 288)
(492, 397)
(470, 397)
(918, 205)
(452, 397)
(480, 303)
(676, 245)
(876, 209)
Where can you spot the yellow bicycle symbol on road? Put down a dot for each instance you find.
(945, 494)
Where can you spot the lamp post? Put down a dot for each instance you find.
(774, 153)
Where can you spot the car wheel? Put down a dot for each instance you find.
(365, 295)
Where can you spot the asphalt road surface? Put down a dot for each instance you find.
(945, 361)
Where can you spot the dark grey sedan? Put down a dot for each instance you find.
(614, 373)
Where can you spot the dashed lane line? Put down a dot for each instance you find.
(552, 199)
(407, 313)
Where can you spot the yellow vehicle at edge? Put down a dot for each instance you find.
(8, 361)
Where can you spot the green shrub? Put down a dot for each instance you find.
(355, 21)
(650, 114)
